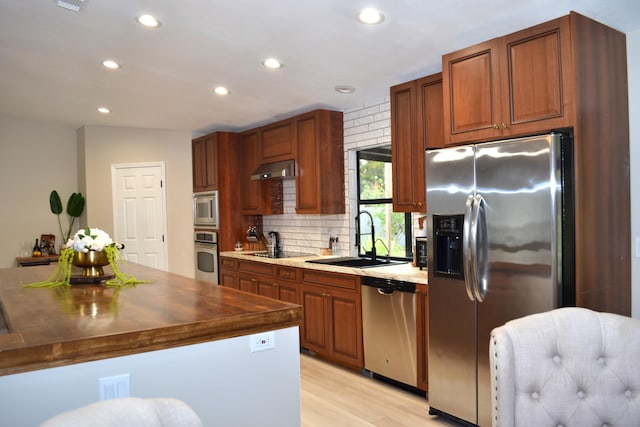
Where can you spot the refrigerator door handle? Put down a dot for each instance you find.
(478, 254)
(466, 249)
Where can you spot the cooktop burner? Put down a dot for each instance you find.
(281, 254)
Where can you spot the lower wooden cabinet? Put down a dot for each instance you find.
(422, 330)
(332, 322)
(286, 281)
(332, 310)
(229, 273)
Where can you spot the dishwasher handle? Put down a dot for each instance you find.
(388, 286)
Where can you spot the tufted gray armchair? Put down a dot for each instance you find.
(568, 367)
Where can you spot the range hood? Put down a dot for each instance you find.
(282, 170)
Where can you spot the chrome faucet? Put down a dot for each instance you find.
(372, 254)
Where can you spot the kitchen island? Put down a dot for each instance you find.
(174, 337)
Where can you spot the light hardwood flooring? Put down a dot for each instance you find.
(334, 396)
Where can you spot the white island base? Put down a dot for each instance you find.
(223, 381)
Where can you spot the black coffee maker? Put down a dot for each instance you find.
(421, 252)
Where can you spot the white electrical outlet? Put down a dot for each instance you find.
(262, 341)
(114, 387)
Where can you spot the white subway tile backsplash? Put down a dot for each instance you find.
(364, 126)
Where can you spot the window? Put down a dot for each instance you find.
(391, 230)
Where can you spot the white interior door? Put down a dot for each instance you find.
(139, 212)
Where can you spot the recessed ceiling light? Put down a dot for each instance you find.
(148, 21)
(344, 89)
(108, 63)
(221, 90)
(272, 63)
(103, 110)
(370, 16)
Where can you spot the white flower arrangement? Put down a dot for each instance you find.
(90, 239)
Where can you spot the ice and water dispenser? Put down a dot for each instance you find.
(447, 246)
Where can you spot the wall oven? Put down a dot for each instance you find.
(206, 255)
(205, 209)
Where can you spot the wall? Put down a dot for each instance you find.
(103, 146)
(35, 158)
(223, 381)
(633, 74)
(364, 126)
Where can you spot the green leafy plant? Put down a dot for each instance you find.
(75, 207)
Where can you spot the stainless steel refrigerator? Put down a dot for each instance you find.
(500, 246)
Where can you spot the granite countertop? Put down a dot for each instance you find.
(84, 322)
(406, 272)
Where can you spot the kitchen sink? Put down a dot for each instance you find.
(356, 262)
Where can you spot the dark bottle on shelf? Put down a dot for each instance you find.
(36, 249)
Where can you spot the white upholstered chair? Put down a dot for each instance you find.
(566, 367)
(130, 411)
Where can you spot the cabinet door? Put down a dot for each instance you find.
(535, 79)
(212, 163)
(277, 142)
(267, 288)
(251, 190)
(228, 278)
(205, 163)
(471, 86)
(405, 137)
(288, 292)
(308, 174)
(417, 123)
(345, 327)
(199, 164)
(248, 284)
(430, 115)
(314, 322)
(320, 163)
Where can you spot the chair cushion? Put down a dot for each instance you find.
(566, 367)
(130, 411)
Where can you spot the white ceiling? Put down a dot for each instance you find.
(50, 57)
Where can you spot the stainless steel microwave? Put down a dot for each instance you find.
(205, 209)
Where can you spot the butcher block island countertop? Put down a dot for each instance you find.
(56, 327)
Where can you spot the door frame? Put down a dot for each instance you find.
(163, 205)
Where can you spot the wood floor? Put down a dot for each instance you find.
(334, 396)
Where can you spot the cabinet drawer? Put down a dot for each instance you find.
(255, 267)
(330, 279)
(228, 263)
(287, 273)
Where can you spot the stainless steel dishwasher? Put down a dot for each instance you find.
(389, 329)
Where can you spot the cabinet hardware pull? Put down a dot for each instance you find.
(504, 126)
(495, 126)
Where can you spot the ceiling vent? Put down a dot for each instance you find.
(74, 5)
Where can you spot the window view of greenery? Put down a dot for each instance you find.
(392, 230)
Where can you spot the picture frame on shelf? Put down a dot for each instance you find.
(48, 244)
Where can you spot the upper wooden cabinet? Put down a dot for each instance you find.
(513, 85)
(567, 73)
(204, 157)
(250, 160)
(320, 163)
(277, 142)
(416, 123)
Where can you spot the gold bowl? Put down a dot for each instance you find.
(91, 262)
